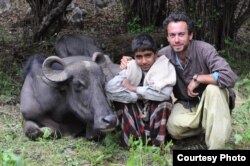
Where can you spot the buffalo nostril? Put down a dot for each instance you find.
(105, 120)
(110, 119)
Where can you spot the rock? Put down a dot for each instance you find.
(4, 6)
(74, 13)
(102, 3)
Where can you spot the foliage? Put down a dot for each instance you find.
(241, 114)
(236, 56)
(135, 27)
(5, 36)
(71, 151)
(231, 47)
(244, 86)
(9, 86)
(150, 12)
(242, 125)
(46, 16)
(217, 20)
(8, 158)
(79, 151)
(140, 154)
(9, 71)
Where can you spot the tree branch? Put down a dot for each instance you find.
(50, 18)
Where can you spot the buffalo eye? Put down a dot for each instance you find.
(79, 85)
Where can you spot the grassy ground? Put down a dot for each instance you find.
(16, 149)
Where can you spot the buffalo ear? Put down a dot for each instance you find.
(108, 67)
(100, 58)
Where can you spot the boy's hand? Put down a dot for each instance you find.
(124, 62)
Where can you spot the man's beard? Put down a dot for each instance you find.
(185, 47)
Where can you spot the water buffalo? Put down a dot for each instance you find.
(67, 96)
(82, 45)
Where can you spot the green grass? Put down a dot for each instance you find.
(244, 85)
(140, 154)
(10, 82)
(241, 123)
(5, 36)
(66, 151)
(17, 149)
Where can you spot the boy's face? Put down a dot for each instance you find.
(145, 59)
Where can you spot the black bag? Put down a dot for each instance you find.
(232, 98)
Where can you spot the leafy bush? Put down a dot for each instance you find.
(9, 83)
(236, 55)
(6, 37)
(244, 86)
(135, 27)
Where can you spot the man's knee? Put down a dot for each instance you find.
(173, 130)
(214, 90)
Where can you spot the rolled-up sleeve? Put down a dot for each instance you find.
(149, 93)
(226, 76)
(116, 92)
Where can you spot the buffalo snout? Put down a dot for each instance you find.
(106, 123)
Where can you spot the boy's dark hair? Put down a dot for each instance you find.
(143, 42)
(179, 16)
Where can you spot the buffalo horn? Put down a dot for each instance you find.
(54, 74)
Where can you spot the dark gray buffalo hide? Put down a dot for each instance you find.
(82, 45)
(76, 44)
(66, 96)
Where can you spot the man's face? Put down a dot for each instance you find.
(145, 59)
(178, 36)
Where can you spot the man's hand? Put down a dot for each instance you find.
(124, 62)
(127, 85)
(191, 87)
(203, 79)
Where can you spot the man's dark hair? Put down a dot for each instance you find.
(143, 42)
(179, 16)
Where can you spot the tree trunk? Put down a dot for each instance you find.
(217, 21)
(45, 13)
(150, 12)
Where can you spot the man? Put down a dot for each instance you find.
(204, 82)
(145, 92)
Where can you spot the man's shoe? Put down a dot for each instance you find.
(191, 143)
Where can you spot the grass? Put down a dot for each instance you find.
(17, 149)
(241, 123)
(10, 82)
